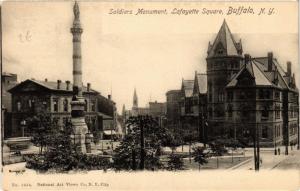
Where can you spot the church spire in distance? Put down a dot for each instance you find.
(135, 99)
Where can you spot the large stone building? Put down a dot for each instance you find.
(32, 96)
(186, 108)
(264, 97)
(241, 95)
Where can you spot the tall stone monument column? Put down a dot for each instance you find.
(78, 122)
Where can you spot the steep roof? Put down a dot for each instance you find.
(259, 77)
(224, 40)
(188, 87)
(201, 82)
(277, 71)
(258, 68)
(263, 64)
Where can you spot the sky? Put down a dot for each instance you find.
(151, 53)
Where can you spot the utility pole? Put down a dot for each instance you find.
(287, 139)
(254, 148)
(258, 149)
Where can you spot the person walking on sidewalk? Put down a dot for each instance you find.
(260, 160)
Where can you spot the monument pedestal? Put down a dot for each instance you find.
(79, 126)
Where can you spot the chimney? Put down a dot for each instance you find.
(58, 84)
(270, 61)
(88, 87)
(46, 80)
(247, 58)
(289, 68)
(109, 97)
(294, 81)
(68, 84)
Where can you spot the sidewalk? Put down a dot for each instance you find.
(269, 159)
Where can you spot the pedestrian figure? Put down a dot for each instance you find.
(278, 151)
(260, 160)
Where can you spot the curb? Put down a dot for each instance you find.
(240, 164)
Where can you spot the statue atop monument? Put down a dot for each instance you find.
(76, 10)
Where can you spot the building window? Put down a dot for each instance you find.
(265, 113)
(55, 104)
(230, 96)
(85, 105)
(236, 65)
(65, 104)
(277, 112)
(229, 111)
(277, 95)
(267, 94)
(278, 131)
(219, 111)
(261, 94)
(29, 103)
(93, 105)
(220, 97)
(265, 132)
(242, 95)
(210, 112)
(18, 106)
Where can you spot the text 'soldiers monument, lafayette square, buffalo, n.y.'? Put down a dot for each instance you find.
(78, 122)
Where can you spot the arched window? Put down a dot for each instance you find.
(65, 104)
